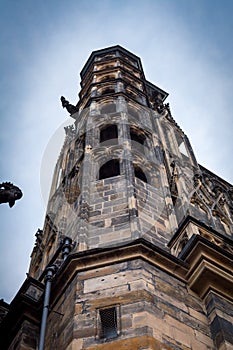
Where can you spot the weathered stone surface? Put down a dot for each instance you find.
(134, 343)
(124, 197)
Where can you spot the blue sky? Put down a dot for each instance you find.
(186, 48)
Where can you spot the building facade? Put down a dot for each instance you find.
(136, 250)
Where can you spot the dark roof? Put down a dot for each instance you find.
(108, 50)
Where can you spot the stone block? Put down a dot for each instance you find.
(76, 344)
(200, 316)
(174, 323)
(94, 213)
(120, 219)
(203, 338)
(181, 336)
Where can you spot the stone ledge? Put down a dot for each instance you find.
(100, 257)
(136, 343)
(209, 269)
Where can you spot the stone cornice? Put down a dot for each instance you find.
(101, 257)
(210, 268)
(202, 267)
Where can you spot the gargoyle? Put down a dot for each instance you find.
(157, 102)
(69, 107)
(9, 193)
(160, 107)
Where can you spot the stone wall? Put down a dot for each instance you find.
(26, 338)
(109, 212)
(152, 308)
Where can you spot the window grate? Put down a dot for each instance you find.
(108, 319)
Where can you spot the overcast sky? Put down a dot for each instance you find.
(186, 48)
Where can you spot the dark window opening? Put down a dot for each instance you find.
(140, 174)
(108, 108)
(108, 319)
(109, 169)
(106, 77)
(110, 132)
(108, 90)
(137, 137)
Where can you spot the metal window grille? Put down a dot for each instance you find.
(108, 319)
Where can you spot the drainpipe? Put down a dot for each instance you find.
(66, 248)
(50, 271)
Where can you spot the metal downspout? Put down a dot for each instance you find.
(50, 272)
(48, 281)
(67, 245)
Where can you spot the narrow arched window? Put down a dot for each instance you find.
(109, 132)
(140, 174)
(137, 136)
(109, 169)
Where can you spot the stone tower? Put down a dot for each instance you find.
(137, 246)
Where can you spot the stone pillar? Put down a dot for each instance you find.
(220, 314)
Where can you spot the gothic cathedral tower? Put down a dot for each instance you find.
(136, 250)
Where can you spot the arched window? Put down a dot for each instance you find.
(137, 136)
(139, 173)
(109, 169)
(109, 132)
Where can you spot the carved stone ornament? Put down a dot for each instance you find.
(212, 197)
(163, 109)
(157, 102)
(70, 132)
(69, 107)
(9, 193)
